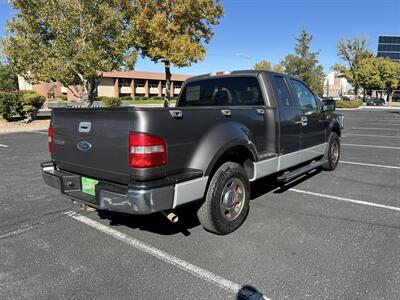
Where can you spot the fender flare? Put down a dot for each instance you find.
(219, 140)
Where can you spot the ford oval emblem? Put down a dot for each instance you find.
(84, 146)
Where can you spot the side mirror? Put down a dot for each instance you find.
(329, 105)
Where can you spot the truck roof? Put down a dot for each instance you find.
(231, 74)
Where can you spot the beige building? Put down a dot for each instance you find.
(335, 85)
(114, 84)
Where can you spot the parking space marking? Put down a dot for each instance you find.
(170, 259)
(371, 146)
(369, 165)
(346, 200)
(375, 128)
(4, 146)
(385, 124)
(372, 135)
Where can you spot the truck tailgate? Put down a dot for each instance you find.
(92, 142)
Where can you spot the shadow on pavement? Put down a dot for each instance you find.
(159, 224)
(156, 222)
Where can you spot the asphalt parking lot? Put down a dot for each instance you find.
(326, 235)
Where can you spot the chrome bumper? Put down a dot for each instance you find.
(109, 196)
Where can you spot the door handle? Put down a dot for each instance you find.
(177, 114)
(303, 121)
(260, 111)
(226, 112)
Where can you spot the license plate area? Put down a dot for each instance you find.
(89, 186)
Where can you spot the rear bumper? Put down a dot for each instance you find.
(110, 196)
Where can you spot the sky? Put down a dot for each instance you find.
(252, 30)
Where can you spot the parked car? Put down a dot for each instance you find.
(227, 129)
(375, 102)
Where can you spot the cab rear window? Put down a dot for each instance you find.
(232, 91)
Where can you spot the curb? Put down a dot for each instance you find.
(16, 130)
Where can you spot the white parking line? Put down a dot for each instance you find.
(372, 135)
(370, 128)
(371, 146)
(369, 165)
(385, 124)
(347, 200)
(170, 259)
(4, 146)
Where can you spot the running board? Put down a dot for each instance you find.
(301, 171)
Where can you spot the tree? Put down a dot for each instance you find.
(368, 74)
(172, 31)
(71, 41)
(8, 78)
(267, 66)
(379, 73)
(352, 51)
(263, 65)
(389, 73)
(304, 63)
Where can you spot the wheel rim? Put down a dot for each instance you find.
(335, 152)
(232, 199)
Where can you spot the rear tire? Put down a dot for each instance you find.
(332, 153)
(227, 200)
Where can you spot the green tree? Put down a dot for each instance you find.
(389, 73)
(352, 51)
(172, 31)
(8, 78)
(71, 41)
(304, 63)
(267, 66)
(263, 65)
(368, 74)
(379, 73)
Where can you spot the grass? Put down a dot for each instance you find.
(348, 104)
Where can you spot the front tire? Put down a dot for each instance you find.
(332, 153)
(227, 200)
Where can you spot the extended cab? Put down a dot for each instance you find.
(227, 129)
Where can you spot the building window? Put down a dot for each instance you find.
(153, 84)
(124, 82)
(140, 82)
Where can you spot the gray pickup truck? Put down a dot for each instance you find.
(227, 129)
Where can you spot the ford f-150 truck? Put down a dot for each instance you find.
(227, 129)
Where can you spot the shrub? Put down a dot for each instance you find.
(348, 104)
(141, 98)
(157, 98)
(125, 98)
(64, 98)
(111, 102)
(11, 105)
(31, 103)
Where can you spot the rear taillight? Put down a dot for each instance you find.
(146, 150)
(51, 141)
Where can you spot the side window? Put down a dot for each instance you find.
(305, 96)
(232, 91)
(283, 92)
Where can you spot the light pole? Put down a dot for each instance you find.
(247, 57)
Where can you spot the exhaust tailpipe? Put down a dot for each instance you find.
(173, 218)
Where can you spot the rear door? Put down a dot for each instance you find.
(313, 129)
(290, 128)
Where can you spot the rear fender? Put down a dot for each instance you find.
(215, 143)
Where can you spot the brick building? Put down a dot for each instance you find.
(113, 84)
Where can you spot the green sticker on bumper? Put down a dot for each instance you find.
(88, 186)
